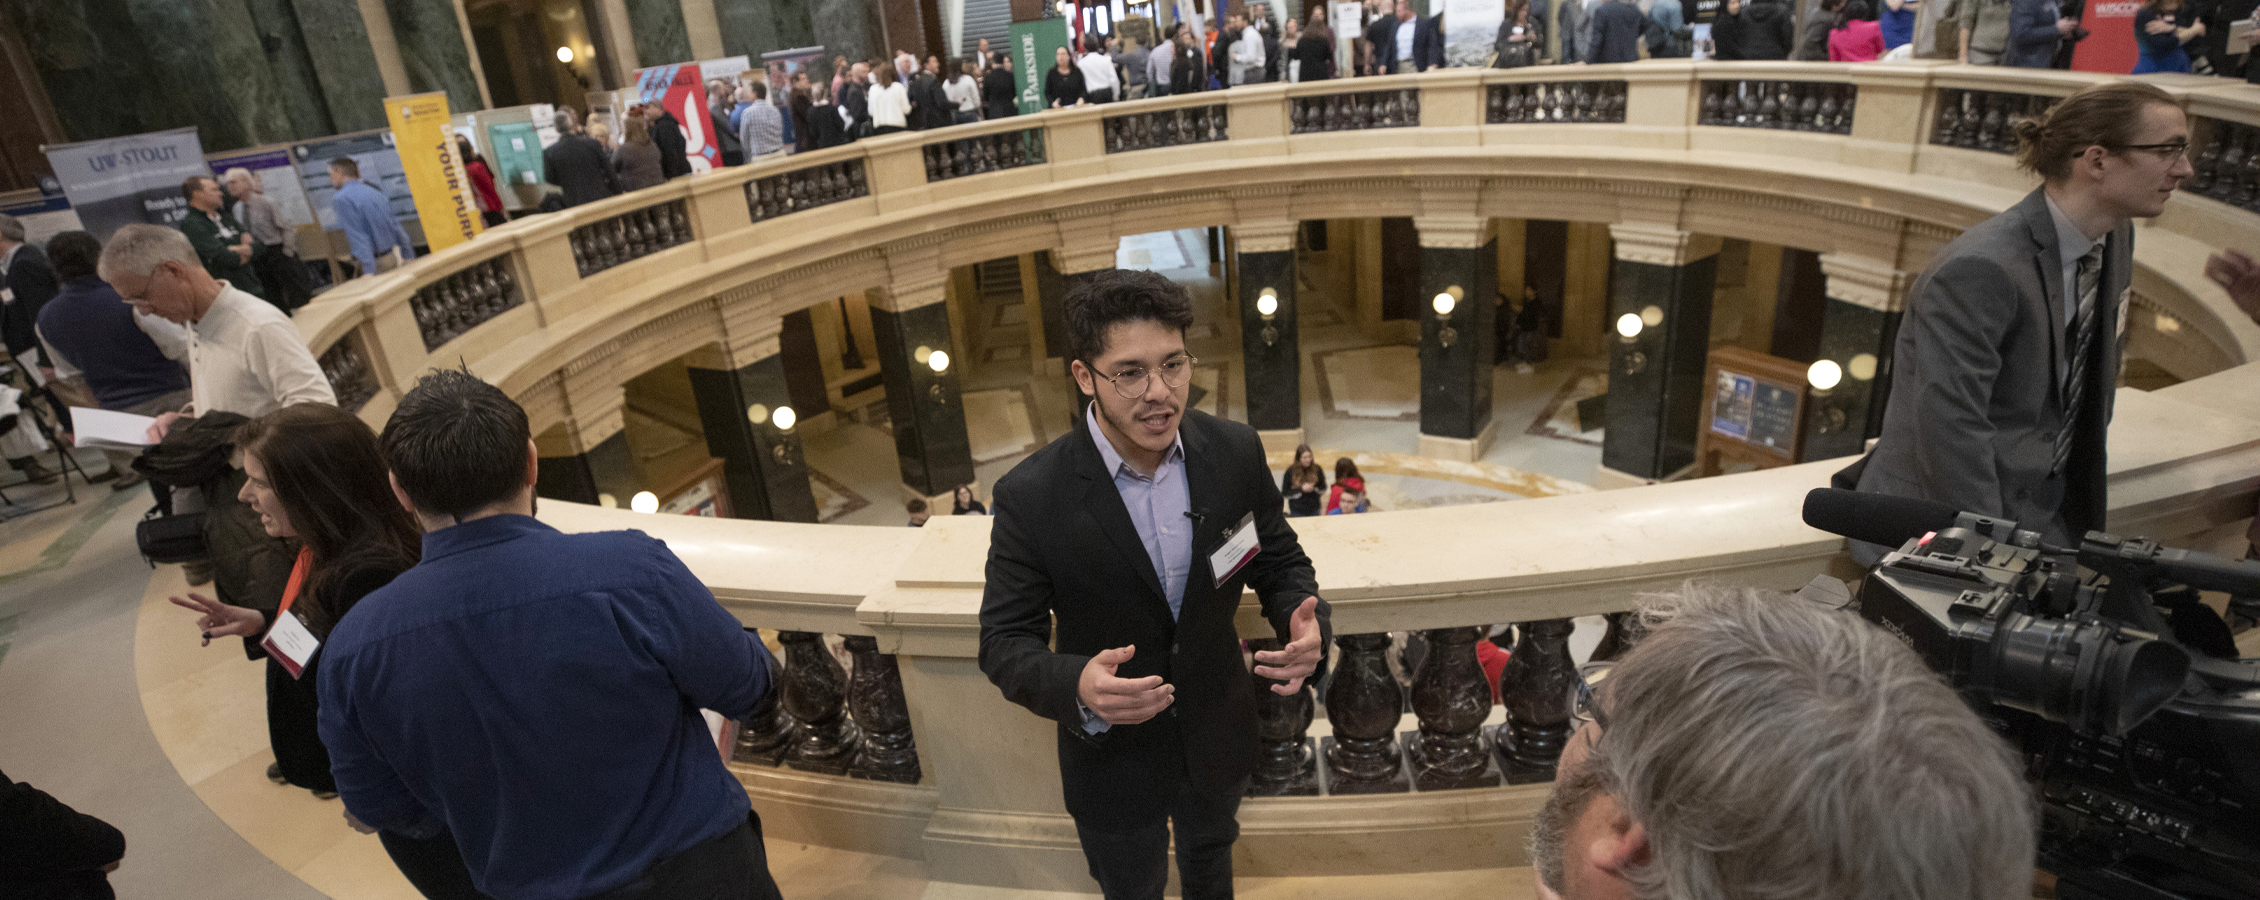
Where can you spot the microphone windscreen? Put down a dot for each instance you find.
(1876, 518)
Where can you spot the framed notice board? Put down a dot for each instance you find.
(1753, 412)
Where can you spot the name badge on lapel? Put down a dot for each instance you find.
(1239, 546)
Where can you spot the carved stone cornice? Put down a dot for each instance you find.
(1264, 237)
(1661, 246)
(915, 275)
(1086, 238)
(1455, 232)
(1862, 281)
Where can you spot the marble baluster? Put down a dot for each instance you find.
(816, 696)
(767, 735)
(1713, 97)
(1451, 696)
(1363, 704)
(1535, 688)
(1286, 757)
(1613, 642)
(2205, 162)
(876, 700)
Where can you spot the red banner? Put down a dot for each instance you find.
(681, 91)
(2109, 47)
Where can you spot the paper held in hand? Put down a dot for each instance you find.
(106, 430)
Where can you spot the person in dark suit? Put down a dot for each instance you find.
(578, 164)
(1421, 51)
(30, 282)
(1189, 71)
(999, 96)
(2036, 28)
(51, 851)
(667, 134)
(2006, 360)
(1136, 534)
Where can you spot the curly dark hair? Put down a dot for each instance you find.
(1109, 297)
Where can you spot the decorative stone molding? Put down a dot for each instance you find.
(1086, 239)
(1656, 204)
(1264, 237)
(1453, 232)
(1661, 246)
(915, 276)
(750, 331)
(1866, 282)
(1261, 206)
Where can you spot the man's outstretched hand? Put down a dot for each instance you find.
(2240, 276)
(1121, 701)
(1294, 662)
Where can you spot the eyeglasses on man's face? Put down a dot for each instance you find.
(1130, 381)
(1584, 702)
(2171, 151)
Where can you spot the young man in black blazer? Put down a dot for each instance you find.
(1137, 534)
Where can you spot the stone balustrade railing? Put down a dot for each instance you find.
(1556, 101)
(1984, 120)
(1826, 107)
(346, 366)
(972, 794)
(979, 154)
(1167, 128)
(630, 236)
(1354, 110)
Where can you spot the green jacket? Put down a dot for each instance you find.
(214, 242)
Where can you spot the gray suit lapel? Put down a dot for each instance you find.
(2049, 259)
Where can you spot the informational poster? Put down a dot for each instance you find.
(545, 124)
(1348, 22)
(436, 180)
(1035, 47)
(1471, 28)
(516, 153)
(2110, 41)
(278, 180)
(380, 169)
(43, 217)
(116, 182)
(681, 89)
(1773, 418)
(1730, 405)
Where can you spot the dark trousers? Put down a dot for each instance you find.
(730, 867)
(1132, 863)
(292, 711)
(288, 288)
(433, 865)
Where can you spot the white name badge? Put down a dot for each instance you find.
(291, 644)
(1239, 547)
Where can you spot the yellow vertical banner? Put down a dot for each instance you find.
(435, 177)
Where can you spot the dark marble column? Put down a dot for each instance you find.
(847, 28)
(928, 413)
(432, 47)
(1363, 704)
(207, 53)
(796, 25)
(299, 86)
(1535, 688)
(749, 27)
(607, 468)
(660, 35)
(1269, 343)
(815, 689)
(352, 87)
(1664, 279)
(1859, 325)
(1451, 696)
(100, 76)
(881, 710)
(762, 463)
(1457, 347)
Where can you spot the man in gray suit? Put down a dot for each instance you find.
(2009, 352)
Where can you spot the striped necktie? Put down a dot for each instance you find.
(2090, 278)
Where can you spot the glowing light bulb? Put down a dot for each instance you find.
(1268, 304)
(1629, 325)
(785, 418)
(939, 361)
(1824, 375)
(565, 54)
(644, 502)
(1444, 304)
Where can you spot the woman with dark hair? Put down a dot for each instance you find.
(1521, 40)
(317, 479)
(1346, 477)
(1063, 83)
(963, 503)
(1302, 482)
(482, 182)
(1313, 56)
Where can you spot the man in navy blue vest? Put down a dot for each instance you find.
(128, 362)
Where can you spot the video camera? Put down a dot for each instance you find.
(2145, 755)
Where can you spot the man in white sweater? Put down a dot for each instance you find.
(1247, 52)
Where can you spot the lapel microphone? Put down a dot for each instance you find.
(1198, 519)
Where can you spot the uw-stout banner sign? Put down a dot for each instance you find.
(1035, 49)
(681, 89)
(435, 176)
(115, 182)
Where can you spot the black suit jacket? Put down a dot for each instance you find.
(579, 164)
(667, 133)
(33, 282)
(51, 851)
(1063, 548)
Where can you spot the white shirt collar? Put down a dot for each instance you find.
(2070, 240)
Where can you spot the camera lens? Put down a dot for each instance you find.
(2092, 676)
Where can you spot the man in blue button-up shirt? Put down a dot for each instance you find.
(366, 215)
(538, 693)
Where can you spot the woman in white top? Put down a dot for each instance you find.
(965, 91)
(1100, 85)
(889, 102)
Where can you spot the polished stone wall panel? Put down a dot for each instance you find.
(607, 468)
(275, 26)
(660, 34)
(926, 407)
(1274, 371)
(749, 27)
(1455, 381)
(1848, 330)
(431, 46)
(247, 74)
(796, 26)
(766, 470)
(847, 28)
(98, 74)
(1652, 414)
(179, 40)
(353, 90)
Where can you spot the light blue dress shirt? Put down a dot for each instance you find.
(1160, 506)
(370, 227)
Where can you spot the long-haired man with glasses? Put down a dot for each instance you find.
(2009, 352)
(1136, 534)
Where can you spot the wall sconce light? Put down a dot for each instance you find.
(1628, 327)
(565, 55)
(1824, 376)
(786, 418)
(1861, 367)
(939, 361)
(608, 501)
(1444, 304)
(1267, 306)
(644, 502)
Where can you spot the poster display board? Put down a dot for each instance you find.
(437, 185)
(1754, 413)
(42, 217)
(515, 153)
(380, 168)
(779, 68)
(681, 89)
(2110, 41)
(1348, 22)
(1474, 29)
(118, 181)
(1034, 46)
(278, 179)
